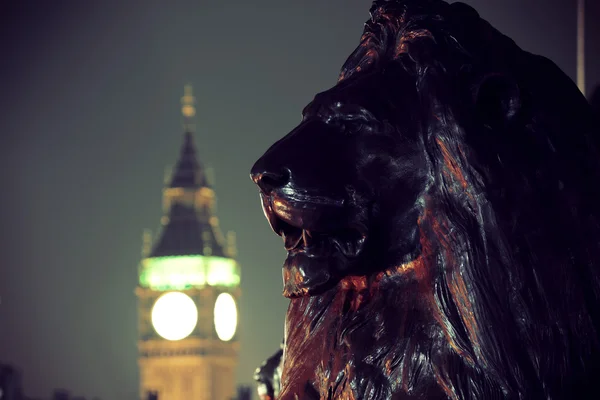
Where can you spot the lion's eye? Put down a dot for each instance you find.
(348, 123)
(355, 126)
(348, 119)
(342, 124)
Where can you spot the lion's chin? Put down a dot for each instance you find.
(304, 275)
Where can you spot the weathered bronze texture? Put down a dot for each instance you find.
(440, 210)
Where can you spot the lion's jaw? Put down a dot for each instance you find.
(322, 240)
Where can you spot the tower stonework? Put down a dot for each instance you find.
(188, 290)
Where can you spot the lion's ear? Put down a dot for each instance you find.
(498, 101)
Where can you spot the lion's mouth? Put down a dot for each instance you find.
(322, 245)
(348, 242)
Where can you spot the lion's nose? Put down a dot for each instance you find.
(269, 181)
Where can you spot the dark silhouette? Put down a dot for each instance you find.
(244, 393)
(268, 376)
(11, 387)
(440, 210)
(61, 394)
(595, 101)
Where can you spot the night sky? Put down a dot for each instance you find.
(90, 119)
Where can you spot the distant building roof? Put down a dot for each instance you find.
(186, 233)
(188, 172)
(189, 228)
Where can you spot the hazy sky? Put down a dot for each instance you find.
(90, 118)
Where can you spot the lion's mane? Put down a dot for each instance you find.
(503, 302)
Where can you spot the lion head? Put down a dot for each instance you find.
(439, 206)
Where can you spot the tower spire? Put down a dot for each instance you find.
(188, 109)
(188, 173)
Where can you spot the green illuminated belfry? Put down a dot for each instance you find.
(188, 289)
(190, 249)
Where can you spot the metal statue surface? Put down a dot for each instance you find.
(440, 209)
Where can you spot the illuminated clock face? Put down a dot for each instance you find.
(174, 316)
(225, 316)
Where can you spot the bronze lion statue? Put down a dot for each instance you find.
(440, 209)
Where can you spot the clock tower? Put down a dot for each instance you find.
(188, 289)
